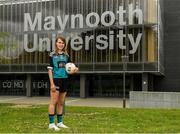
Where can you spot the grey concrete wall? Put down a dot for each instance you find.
(143, 99)
(171, 48)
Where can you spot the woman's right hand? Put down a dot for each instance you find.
(53, 88)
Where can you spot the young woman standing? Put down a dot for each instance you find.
(58, 78)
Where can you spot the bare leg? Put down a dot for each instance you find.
(53, 101)
(60, 102)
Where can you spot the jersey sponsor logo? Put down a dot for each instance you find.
(61, 64)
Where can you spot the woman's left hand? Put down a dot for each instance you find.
(76, 70)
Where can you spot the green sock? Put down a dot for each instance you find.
(51, 118)
(59, 118)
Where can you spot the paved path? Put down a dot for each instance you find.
(70, 101)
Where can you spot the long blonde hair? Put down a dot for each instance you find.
(65, 46)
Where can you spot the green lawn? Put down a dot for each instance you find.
(33, 118)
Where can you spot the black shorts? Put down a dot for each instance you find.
(61, 84)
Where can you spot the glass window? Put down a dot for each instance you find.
(114, 28)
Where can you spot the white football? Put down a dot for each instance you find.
(70, 67)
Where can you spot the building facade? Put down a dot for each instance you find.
(107, 39)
